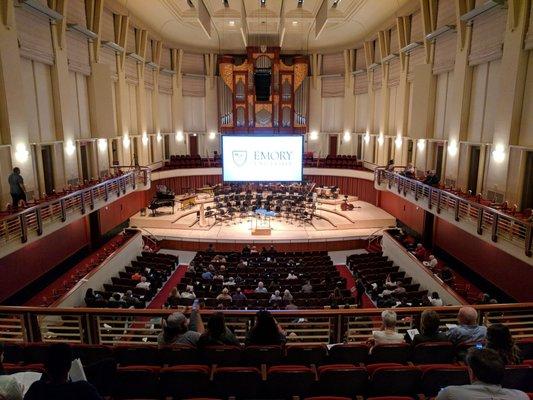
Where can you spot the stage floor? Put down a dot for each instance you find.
(329, 223)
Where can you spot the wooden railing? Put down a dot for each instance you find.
(33, 221)
(120, 326)
(484, 219)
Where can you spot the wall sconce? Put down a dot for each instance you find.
(144, 138)
(70, 148)
(381, 139)
(398, 141)
(347, 137)
(313, 135)
(366, 138)
(453, 148)
(126, 141)
(499, 153)
(21, 153)
(179, 136)
(212, 135)
(158, 136)
(421, 144)
(102, 144)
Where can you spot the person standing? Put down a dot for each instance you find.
(16, 188)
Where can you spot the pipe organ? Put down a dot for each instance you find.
(263, 92)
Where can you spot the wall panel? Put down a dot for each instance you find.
(361, 112)
(165, 112)
(332, 114)
(193, 114)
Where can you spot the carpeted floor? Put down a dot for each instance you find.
(350, 283)
(159, 299)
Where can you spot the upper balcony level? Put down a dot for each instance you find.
(43, 218)
(510, 233)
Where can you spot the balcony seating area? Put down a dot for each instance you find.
(155, 267)
(374, 268)
(188, 161)
(272, 270)
(337, 161)
(346, 370)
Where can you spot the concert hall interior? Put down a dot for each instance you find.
(266, 199)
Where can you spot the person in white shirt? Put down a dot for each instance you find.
(275, 297)
(292, 275)
(188, 293)
(433, 262)
(230, 282)
(387, 334)
(261, 288)
(435, 300)
(389, 283)
(143, 284)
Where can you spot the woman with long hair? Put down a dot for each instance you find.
(217, 333)
(499, 338)
(266, 331)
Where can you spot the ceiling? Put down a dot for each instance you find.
(348, 22)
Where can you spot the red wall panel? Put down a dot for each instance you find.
(24, 266)
(408, 213)
(513, 276)
(120, 210)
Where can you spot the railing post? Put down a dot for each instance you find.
(92, 198)
(528, 240)
(416, 191)
(439, 197)
(39, 219)
(145, 177)
(495, 219)
(457, 210)
(430, 198)
(23, 228)
(480, 222)
(82, 203)
(123, 185)
(118, 186)
(378, 175)
(106, 191)
(63, 210)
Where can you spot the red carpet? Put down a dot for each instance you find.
(159, 299)
(350, 283)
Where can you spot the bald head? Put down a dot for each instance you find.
(467, 316)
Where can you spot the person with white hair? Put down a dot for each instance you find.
(143, 284)
(261, 288)
(276, 296)
(468, 330)
(387, 334)
(433, 262)
(230, 282)
(224, 296)
(188, 293)
(178, 329)
(287, 296)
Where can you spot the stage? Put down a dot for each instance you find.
(329, 223)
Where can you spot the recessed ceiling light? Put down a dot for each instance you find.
(295, 22)
(231, 23)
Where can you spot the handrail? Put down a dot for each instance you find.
(32, 220)
(501, 225)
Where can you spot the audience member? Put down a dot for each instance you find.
(420, 252)
(390, 166)
(499, 338)
(131, 300)
(287, 296)
(115, 301)
(224, 296)
(55, 383)
(217, 333)
(361, 290)
(276, 297)
(174, 298)
(188, 293)
(136, 277)
(207, 275)
(292, 276)
(409, 171)
(435, 300)
(487, 371)
(143, 284)
(261, 288)
(177, 329)
(16, 188)
(238, 295)
(468, 329)
(387, 334)
(307, 287)
(266, 331)
(429, 329)
(230, 282)
(431, 179)
(433, 262)
(291, 306)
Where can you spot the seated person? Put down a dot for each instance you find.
(238, 295)
(230, 282)
(468, 329)
(397, 291)
(435, 300)
(276, 297)
(499, 338)
(447, 275)
(389, 283)
(287, 296)
(429, 329)
(178, 329)
(207, 275)
(409, 171)
(261, 288)
(432, 179)
(486, 370)
(292, 276)
(143, 284)
(224, 296)
(387, 334)
(136, 277)
(432, 262)
(307, 288)
(217, 333)
(131, 300)
(115, 301)
(174, 298)
(55, 383)
(420, 252)
(188, 293)
(266, 331)
(390, 166)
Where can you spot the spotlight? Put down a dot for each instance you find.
(499, 153)
(179, 136)
(144, 139)
(313, 135)
(366, 138)
(126, 141)
(398, 141)
(347, 136)
(102, 144)
(21, 153)
(381, 139)
(158, 136)
(70, 148)
(421, 144)
(452, 148)
(212, 135)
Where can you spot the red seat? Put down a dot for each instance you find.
(518, 377)
(390, 398)
(136, 355)
(433, 353)
(306, 354)
(394, 381)
(327, 398)
(136, 381)
(14, 368)
(350, 353)
(177, 354)
(222, 355)
(391, 353)
(14, 352)
(286, 381)
(91, 353)
(342, 380)
(257, 355)
(435, 377)
(526, 348)
(35, 353)
(237, 382)
(182, 381)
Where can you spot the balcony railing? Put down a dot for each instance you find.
(33, 221)
(139, 327)
(483, 218)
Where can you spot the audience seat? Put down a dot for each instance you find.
(177, 354)
(397, 380)
(259, 355)
(518, 377)
(14, 353)
(391, 353)
(526, 348)
(306, 354)
(286, 381)
(342, 380)
(221, 355)
(35, 353)
(91, 353)
(239, 382)
(433, 353)
(435, 377)
(327, 398)
(183, 381)
(136, 382)
(349, 353)
(136, 355)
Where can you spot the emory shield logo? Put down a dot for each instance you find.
(239, 157)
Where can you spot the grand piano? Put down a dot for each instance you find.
(163, 198)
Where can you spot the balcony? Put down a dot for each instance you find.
(33, 223)
(508, 233)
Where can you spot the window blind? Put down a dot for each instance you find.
(76, 12)
(333, 86)
(34, 34)
(78, 53)
(192, 64)
(193, 86)
(487, 36)
(165, 83)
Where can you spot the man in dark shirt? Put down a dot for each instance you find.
(16, 187)
(55, 383)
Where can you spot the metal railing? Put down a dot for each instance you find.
(485, 219)
(112, 326)
(32, 221)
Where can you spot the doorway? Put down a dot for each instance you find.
(193, 144)
(333, 139)
(439, 158)
(48, 169)
(359, 147)
(114, 151)
(475, 152)
(527, 188)
(84, 158)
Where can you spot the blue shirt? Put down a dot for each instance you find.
(15, 180)
(467, 333)
(207, 275)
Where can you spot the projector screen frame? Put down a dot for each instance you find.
(263, 134)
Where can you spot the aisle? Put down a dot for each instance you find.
(350, 283)
(159, 299)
